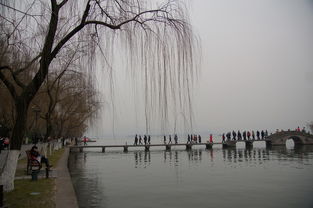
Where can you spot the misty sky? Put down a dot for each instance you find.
(256, 71)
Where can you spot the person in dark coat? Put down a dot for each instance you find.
(258, 135)
(149, 139)
(239, 135)
(136, 140)
(40, 158)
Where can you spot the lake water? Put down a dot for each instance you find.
(258, 177)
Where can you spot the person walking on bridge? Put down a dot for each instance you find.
(239, 135)
(145, 139)
(149, 139)
(211, 138)
(258, 134)
(244, 134)
(176, 139)
(170, 139)
(253, 135)
(140, 140)
(262, 134)
(228, 136)
(223, 138)
(136, 140)
(248, 135)
(188, 139)
(199, 138)
(234, 135)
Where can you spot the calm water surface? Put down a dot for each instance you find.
(257, 177)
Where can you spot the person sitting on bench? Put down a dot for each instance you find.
(40, 158)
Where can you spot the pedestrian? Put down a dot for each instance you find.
(188, 139)
(228, 136)
(85, 140)
(6, 143)
(164, 139)
(262, 134)
(145, 139)
(170, 139)
(239, 135)
(223, 138)
(234, 135)
(258, 134)
(136, 140)
(149, 139)
(244, 134)
(211, 138)
(176, 139)
(140, 140)
(199, 138)
(253, 135)
(1, 143)
(248, 135)
(195, 138)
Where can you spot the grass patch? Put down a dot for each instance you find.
(21, 195)
(32, 194)
(55, 157)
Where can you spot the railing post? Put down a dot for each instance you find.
(249, 144)
(188, 146)
(125, 149)
(208, 145)
(147, 148)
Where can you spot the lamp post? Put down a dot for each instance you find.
(36, 110)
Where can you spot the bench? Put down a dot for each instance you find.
(31, 163)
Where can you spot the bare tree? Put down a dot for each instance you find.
(157, 35)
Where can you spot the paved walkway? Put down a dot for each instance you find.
(65, 194)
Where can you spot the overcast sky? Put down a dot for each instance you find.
(256, 71)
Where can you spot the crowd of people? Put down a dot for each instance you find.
(140, 141)
(245, 135)
(191, 139)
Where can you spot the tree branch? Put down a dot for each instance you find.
(28, 65)
(9, 85)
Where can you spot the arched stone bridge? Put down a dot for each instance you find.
(299, 138)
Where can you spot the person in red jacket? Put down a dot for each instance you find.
(211, 138)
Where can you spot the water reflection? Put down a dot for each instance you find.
(165, 176)
(142, 159)
(195, 155)
(230, 155)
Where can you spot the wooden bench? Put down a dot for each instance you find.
(31, 163)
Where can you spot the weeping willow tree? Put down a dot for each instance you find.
(155, 36)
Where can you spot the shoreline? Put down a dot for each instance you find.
(65, 194)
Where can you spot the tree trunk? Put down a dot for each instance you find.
(9, 168)
(20, 124)
(10, 162)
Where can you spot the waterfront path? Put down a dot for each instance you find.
(65, 194)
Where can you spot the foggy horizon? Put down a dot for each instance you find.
(256, 72)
